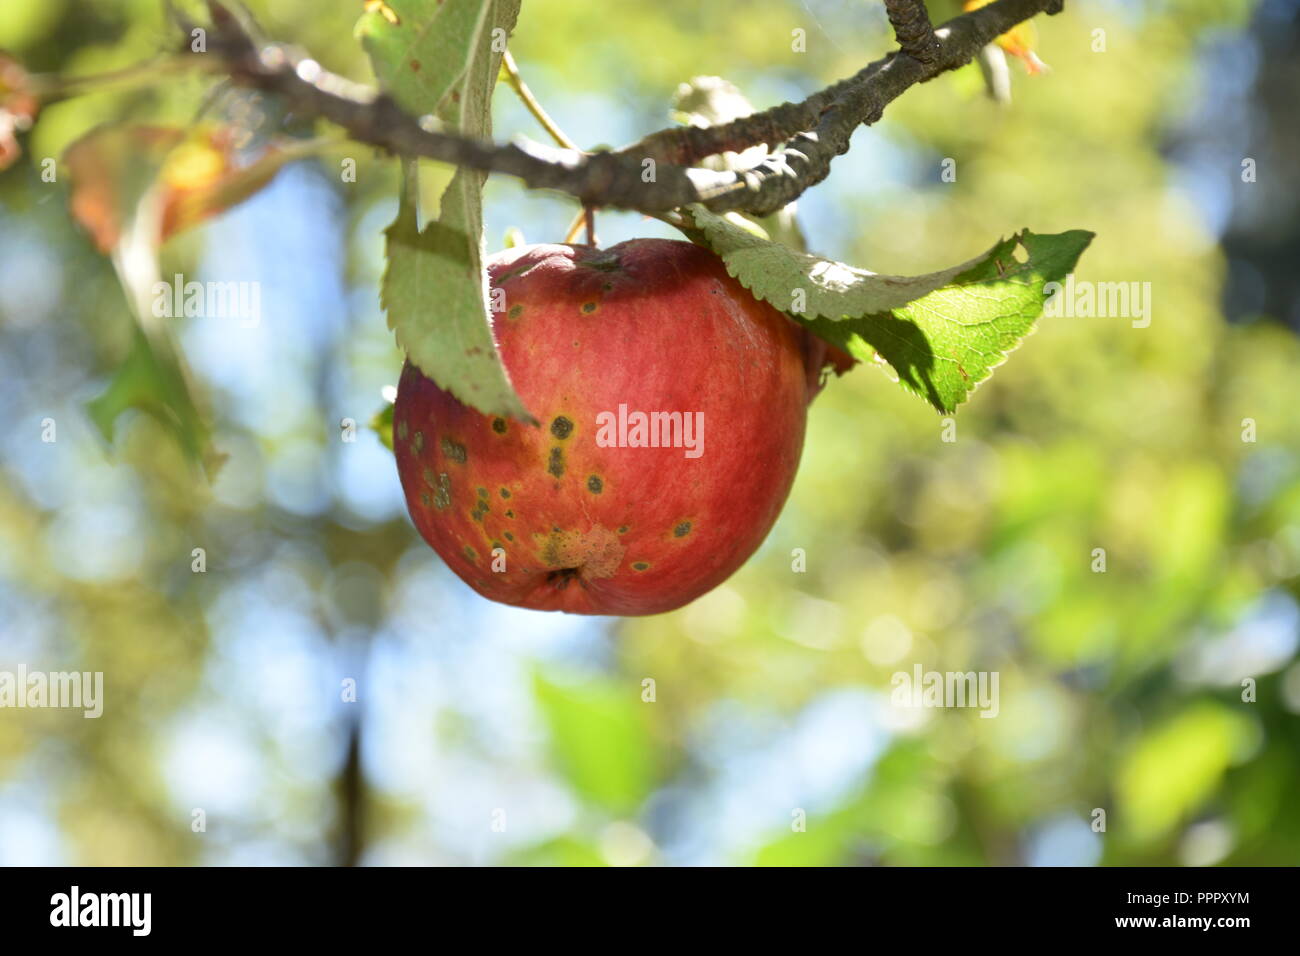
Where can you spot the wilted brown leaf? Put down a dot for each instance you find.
(18, 107)
(192, 175)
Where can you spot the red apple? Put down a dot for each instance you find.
(582, 513)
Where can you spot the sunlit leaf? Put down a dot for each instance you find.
(943, 333)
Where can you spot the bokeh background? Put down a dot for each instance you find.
(1120, 690)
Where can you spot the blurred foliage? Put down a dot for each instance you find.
(1120, 690)
(600, 741)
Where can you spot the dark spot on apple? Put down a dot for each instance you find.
(482, 493)
(604, 260)
(556, 464)
(640, 566)
(622, 529)
(561, 428)
(425, 499)
(510, 536)
(417, 442)
(471, 554)
(498, 546)
(505, 492)
(595, 485)
(455, 451)
(682, 530)
(515, 311)
(442, 490)
(401, 430)
(499, 426)
(588, 308)
(510, 514)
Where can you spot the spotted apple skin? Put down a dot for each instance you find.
(543, 515)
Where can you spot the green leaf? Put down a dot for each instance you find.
(942, 333)
(426, 53)
(382, 424)
(600, 740)
(830, 289)
(132, 188)
(150, 381)
(435, 288)
(471, 110)
(435, 293)
(944, 344)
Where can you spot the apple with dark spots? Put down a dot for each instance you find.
(671, 407)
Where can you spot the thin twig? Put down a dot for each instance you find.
(575, 227)
(51, 88)
(534, 106)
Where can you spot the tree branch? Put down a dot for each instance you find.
(912, 27)
(804, 138)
